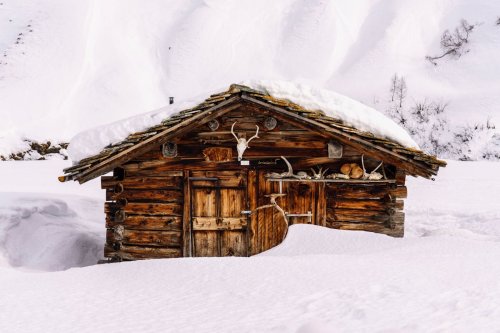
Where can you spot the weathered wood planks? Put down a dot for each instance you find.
(375, 207)
(143, 213)
(142, 222)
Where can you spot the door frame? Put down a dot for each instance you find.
(189, 243)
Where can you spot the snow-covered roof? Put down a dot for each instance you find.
(335, 105)
(91, 150)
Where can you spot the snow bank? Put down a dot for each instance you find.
(41, 231)
(304, 240)
(351, 112)
(46, 225)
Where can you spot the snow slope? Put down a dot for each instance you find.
(443, 276)
(80, 64)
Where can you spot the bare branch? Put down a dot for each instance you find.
(454, 44)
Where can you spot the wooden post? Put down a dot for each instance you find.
(186, 217)
(252, 205)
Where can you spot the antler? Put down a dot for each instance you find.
(363, 164)
(374, 170)
(374, 175)
(324, 172)
(273, 197)
(232, 131)
(290, 169)
(320, 174)
(255, 136)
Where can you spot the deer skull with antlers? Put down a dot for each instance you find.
(242, 143)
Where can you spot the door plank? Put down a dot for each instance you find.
(233, 244)
(225, 223)
(205, 244)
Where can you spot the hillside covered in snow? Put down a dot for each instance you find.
(66, 66)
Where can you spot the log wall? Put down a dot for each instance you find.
(144, 215)
(370, 207)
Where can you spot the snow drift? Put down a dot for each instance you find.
(45, 225)
(44, 233)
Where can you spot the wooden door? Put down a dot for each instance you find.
(218, 227)
(304, 202)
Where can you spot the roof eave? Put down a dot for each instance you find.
(126, 155)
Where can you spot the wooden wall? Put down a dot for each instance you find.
(369, 207)
(144, 215)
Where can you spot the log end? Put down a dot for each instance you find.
(63, 179)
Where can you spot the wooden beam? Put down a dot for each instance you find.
(145, 222)
(131, 252)
(186, 217)
(252, 205)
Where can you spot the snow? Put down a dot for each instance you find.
(443, 276)
(43, 232)
(89, 63)
(464, 201)
(353, 113)
(44, 224)
(93, 141)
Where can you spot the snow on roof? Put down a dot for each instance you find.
(351, 112)
(335, 105)
(91, 142)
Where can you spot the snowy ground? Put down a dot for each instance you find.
(443, 276)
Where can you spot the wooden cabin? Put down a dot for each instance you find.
(183, 188)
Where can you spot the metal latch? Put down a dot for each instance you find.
(308, 215)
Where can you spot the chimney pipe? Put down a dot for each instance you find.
(170, 100)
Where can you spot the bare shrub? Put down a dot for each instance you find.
(454, 44)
